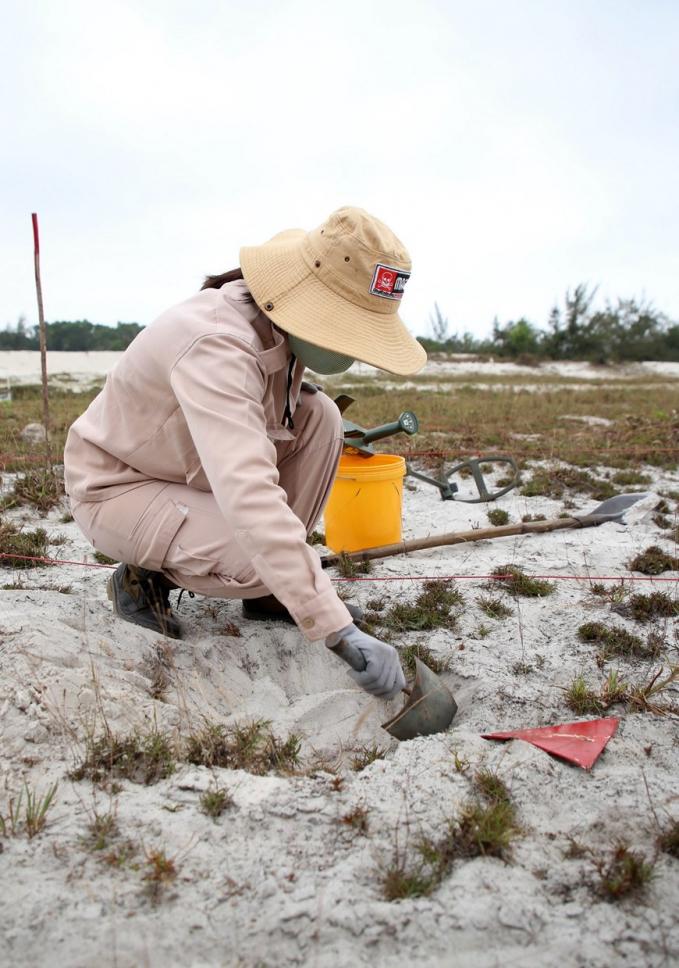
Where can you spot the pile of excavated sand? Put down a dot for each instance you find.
(279, 879)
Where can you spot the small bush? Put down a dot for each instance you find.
(38, 487)
(356, 819)
(644, 608)
(160, 872)
(616, 641)
(350, 568)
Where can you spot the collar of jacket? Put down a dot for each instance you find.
(277, 354)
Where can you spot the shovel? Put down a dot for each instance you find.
(612, 509)
(430, 706)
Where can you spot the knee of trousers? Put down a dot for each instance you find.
(320, 415)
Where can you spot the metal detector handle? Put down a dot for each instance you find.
(406, 423)
(350, 654)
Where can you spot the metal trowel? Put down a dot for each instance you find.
(430, 707)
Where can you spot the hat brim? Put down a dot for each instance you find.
(302, 305)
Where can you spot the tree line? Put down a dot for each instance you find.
(627, 330)
(79, 334)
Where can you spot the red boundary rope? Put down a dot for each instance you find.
(590, 578)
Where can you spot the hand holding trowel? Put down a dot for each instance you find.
(430, 706)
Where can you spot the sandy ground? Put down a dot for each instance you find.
(278, 880)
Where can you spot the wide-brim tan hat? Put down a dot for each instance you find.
(339, 287)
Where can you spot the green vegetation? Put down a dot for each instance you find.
(497, 517)
(644, 608)
(15, 541)
(493, 607)
(485, 826)
(668, 838)
(625, 330)
(139, 757)
(554, 482)
(215, 802)
(617, 641)
(432, 609)
(38, 487)
(414, 650)
(363, 756)
(250, 746)
(78, 335)
(622, 872)
(654, 561)
(517, 582)
(27, 813)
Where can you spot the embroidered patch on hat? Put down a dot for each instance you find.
(388, 282)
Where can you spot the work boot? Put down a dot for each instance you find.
(268, 608)
(143, 597)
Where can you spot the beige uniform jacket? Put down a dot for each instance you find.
(198, 399)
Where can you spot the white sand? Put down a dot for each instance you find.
(278, 880)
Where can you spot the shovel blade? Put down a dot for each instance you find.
(612, 509)
(430, 707)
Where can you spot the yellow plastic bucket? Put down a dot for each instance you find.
(364, 507)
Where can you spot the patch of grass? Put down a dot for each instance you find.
(616, 641)
(482, 631)
(432, 609)
(517, 582)
(638, 697)
(316, 538)
(101, 830)
(644, 608)
(363, 756)
(401, 880)
(15, 541)
(611, 593)
(27, 813)
(66, 518)
(348, 568)
(215, 802)
(653, 561)
(120, 854)
(625, 478)
(668, 839)
(622, 872)
(556, 481)
(245, 746)
(493, 607)
(356, 819)
(491, 786)
(104, 559)
(39, 486)
(160, 872)
(498, 517)
(526, 518)
(415, 650)
(140, 757)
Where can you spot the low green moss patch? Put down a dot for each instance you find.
(617, 641)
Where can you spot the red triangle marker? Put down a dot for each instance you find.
(580, 743)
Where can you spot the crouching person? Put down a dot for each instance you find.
(205, 461)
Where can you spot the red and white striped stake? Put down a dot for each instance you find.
(43, 335)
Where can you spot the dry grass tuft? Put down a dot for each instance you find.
(668, 839)
(615, 641)
(493, 607)
(27, 813)
(39, 487)
(644, 608)
(555, 482)
(215, 802)
(363, 756)
(622, 872)
(140, 757)
(161, 871)
(244, 746)
(356, 819)
(408, 654)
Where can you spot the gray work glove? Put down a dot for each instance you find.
(375, 665)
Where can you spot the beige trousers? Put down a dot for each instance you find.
(180, 531)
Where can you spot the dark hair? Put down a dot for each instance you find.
(216, 282)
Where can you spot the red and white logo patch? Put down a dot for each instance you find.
(388, 282)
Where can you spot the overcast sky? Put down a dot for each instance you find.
(517, 147)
